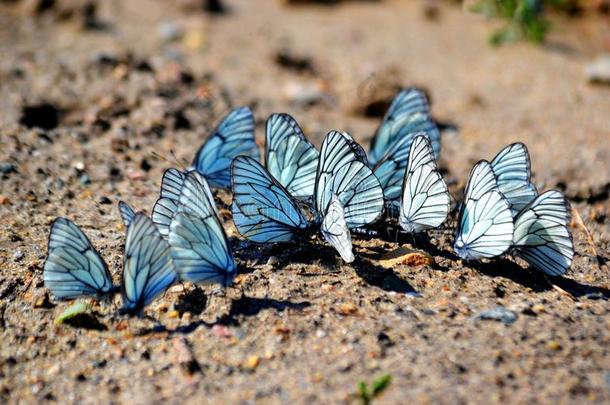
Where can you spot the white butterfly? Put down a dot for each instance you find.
(425, 199)
(485, 224)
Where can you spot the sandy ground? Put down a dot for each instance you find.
(303, 327)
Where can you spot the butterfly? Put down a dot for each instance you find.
(233, 137)
(148, 268)
(73, 267)
(289, 156)
(263, 210)
(334, 229)
(408, 114)
(343, 171)
(512, 169)
(127, 213)
(485, 223)
(425, 201)
(541, 236)
(199, 246)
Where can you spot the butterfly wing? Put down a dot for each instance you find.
(148, 267)
(541, 234)
(234, 136)
(200, 249)
(289, 156)
(390, 170)
(335, 230)
(342, 173)
(196, 196)
(425, 199)
(73, 267)
(485, 227)
(166, 206)
(409, 113)
(263, 211)
(127, 213)
(513, 172)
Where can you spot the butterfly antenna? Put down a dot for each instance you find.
(174, 162)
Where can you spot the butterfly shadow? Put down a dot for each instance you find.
(381, 277)
(505, 268)
(537, 281)
(243, 306)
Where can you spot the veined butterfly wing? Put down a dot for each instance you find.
(541, 234)
(409, 113)
(485, 227)
(425, 199)
(233, 137)
(335, 230)
(73, 267)
(289, 156)
(148, 267)
(263, 210)
(127, 213)
(166, 206)
(390, 170)
(513, 172)
(341, 172)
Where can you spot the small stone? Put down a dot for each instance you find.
(43, 301)
(499, 314)
(598, 71)
(348, 308)
(105, 200)
(553, 345)
(84, 179)
(252, 363)
(6, 168)
(173, 314)
(18, 256)
(4, 200)
(78, 166)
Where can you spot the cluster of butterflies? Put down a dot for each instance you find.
(300, 191)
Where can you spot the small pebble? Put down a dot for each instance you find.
(6, 168)
(272, 261)
(348, 308)
(499, 314)
(252, 363)
(4, 200)
(18, 256)
(105, 200)
(598, 71)
(79, 166)
(84, 179)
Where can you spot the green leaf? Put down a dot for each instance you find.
(380, 384)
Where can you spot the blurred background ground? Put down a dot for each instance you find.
(95, 96)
